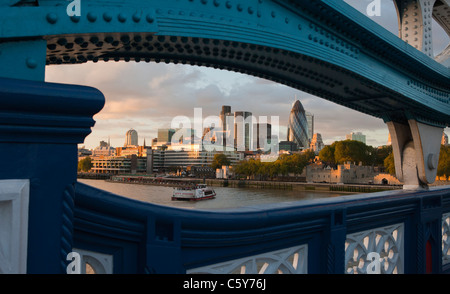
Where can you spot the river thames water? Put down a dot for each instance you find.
(227, 197)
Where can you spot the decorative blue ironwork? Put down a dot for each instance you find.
(40, 127)
(325, 47)
(176, 240)
(67, 224)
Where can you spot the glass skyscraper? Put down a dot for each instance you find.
(298, 126)
(243, 130)
(165, 135)
(131, 138)
(310, 120)
(227, 128)
(358, 136)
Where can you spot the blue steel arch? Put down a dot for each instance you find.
(325, 48)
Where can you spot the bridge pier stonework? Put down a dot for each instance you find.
(416, 145)
(416, 148)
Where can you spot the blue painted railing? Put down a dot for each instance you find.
(408, 230)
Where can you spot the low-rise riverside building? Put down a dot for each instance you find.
(166, 159)
(119, 164)
(347, 173)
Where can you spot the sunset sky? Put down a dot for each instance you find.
(148, 96)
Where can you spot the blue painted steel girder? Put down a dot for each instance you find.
(323, 47)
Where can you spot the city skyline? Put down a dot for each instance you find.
(248, 139)
(148, 96)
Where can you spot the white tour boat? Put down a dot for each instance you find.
(198, 192)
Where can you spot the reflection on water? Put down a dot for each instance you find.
(226, 197)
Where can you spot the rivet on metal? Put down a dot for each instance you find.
(122, 17)
(52, 18)
(136, 17)
(91, 17)
(107, 17)
(31, 63)
(150, 18)
(75, 18)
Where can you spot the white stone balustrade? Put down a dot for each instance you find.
(292, 260)
(387, 242)
(446, 238)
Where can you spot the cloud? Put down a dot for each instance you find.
(148, 96)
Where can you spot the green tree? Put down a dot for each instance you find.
(242, 168)
(284, 165)
(309, 155)
(389, 164)
(253, 167)
(85, 164)
(326, 155)
(444, 162)
(381, 153)
(264, 170)
(220, 160)
(294, 163)
(353, 151)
